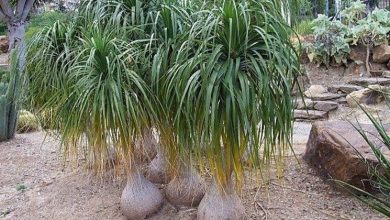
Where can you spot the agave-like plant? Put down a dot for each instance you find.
(380, 173)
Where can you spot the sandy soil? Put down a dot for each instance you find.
(55, 190)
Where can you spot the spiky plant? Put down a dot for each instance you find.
(174, 29)
(380, 173)
(235, 94)
(100, 102)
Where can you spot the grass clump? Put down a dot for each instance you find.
(27, 122)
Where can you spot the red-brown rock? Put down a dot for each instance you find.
(4, 44)
(333, 146)
(381, 54)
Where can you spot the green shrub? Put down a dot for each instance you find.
(304, 27)
(333, 37)
(47, 19)
(27, 122)
(330, 44)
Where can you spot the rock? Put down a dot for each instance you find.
(369, 96)
(310, 115)
(320, 93)
(366, 81)
(356, 68)
(379, 88)
(304, 104)
(386, 74)
(388, 65)
(316, 89)
(381, 54)
(342, 101)
(376, 73)
(358, 54)
(316, 105)
(325, 106)
(327, 96)
(4, 44)
(331, 149)
(344, 88)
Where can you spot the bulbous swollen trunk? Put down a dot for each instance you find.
(221, 204)
(186, 189)
(146, 148)
(140, 198)
(158, 171)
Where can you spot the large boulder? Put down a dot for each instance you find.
(333, 148)
(381, 54)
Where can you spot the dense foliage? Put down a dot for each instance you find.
(205, 76)
(334, 37)
(214, 79)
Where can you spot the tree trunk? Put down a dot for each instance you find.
(15, 19)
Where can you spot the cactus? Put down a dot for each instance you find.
(9, 100)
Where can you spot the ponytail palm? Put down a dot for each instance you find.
(92, 81)
(236, 88)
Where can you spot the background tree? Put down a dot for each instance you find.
(14, 14)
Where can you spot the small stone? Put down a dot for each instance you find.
(342, 101)
(344, 88)
(327, 96)
(310, 115)
(366, 81)
(386, 74)
(326, 106)
(381, 54)
(365, 96)
(304, 104)
(358, 54)
(316, 89)
(308, 104)
(320, 93)
(3, 44)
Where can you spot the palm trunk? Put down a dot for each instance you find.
(158, 170)
(146, 147)
(187, 188)
(140, 198)
(221, 203)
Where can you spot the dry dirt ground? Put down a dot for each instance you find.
(36, 183)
